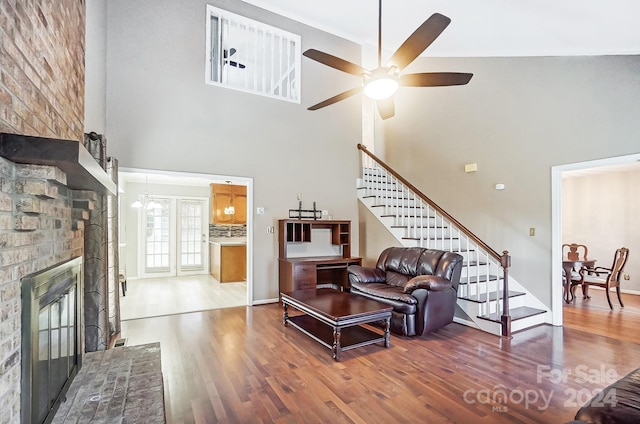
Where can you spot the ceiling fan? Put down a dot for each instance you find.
(381, 83)
(227, 54)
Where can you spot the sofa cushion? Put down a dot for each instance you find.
(430, 282)
(403, 260)
(391, 295)
(396, 279)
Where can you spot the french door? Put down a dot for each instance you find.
(173, 238)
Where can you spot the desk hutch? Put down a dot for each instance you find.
(296, 273)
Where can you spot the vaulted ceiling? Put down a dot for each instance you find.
(480, 28)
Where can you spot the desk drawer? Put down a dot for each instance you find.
(304, 284)
(304, 276)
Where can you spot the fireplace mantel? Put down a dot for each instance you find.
(83, 171)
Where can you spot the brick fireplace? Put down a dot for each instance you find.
(47, 216)
(53, 208)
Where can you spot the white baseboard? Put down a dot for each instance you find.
(623, 291)
(265, 301)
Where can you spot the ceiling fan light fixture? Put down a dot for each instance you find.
(381, 88)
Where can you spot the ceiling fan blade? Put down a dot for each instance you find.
(336, 98)
(335, 62)
(419, 41)
(434, 79)
(386, 108)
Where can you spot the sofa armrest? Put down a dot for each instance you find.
(361, 274)
(429, 282)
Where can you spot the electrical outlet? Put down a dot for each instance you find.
(299, 196)
(260, 211)
(325, 213)
(627, 277)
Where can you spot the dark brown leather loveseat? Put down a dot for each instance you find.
(421, 285)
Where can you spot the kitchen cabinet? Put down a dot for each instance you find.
(228, 261)
(223, 198)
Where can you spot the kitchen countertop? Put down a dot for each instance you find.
(229, 241)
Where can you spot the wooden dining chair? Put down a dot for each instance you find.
(575, 251)
(606, 278)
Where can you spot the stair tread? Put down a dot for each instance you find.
(438, 239)
(409, 217)
(409, 226)
(492, 296)
(516, 314)
(481, 279)
(474, 263)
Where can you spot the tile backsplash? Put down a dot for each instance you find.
(220, 231)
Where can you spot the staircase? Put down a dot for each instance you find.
(416, 221)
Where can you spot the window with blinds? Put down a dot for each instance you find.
(251, 56)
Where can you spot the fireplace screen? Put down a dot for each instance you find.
(51, 348)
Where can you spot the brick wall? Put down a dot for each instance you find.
(42, 56)
(42, 68)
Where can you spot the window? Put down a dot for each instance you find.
(247, 55)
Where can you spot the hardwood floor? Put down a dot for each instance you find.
(595, 316)
(151, 297)
(241, 365)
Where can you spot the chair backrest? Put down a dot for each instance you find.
(619, 261)
(575, 252)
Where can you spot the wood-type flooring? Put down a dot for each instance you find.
(241, 365)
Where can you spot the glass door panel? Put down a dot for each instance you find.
(191, 235)
(174, 237)
(157, 232)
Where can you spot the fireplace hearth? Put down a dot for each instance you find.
(51, 338)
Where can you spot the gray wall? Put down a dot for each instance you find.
(516, 119)
(601, 211)
(161, 115)
(95, 76)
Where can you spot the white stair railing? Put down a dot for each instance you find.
(485, 272)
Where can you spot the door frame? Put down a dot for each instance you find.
(191, 178)
(556, 224)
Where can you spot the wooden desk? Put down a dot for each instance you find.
(309, 272)
(568, 265)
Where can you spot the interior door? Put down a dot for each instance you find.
(173, 238)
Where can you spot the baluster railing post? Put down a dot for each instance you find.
(505, 319)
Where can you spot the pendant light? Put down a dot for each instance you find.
(147, 201)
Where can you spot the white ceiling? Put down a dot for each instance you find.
(486, 28)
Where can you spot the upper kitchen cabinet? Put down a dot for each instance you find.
(228, 204)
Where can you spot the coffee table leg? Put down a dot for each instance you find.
(387, 334)
(285, 314)
(336, 344)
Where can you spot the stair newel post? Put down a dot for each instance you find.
(505, 262)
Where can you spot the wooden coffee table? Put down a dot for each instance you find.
(333, 318)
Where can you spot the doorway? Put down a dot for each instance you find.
(172, 237)
(591, 167)
(172, 242)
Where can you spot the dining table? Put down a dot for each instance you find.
(568, 265)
